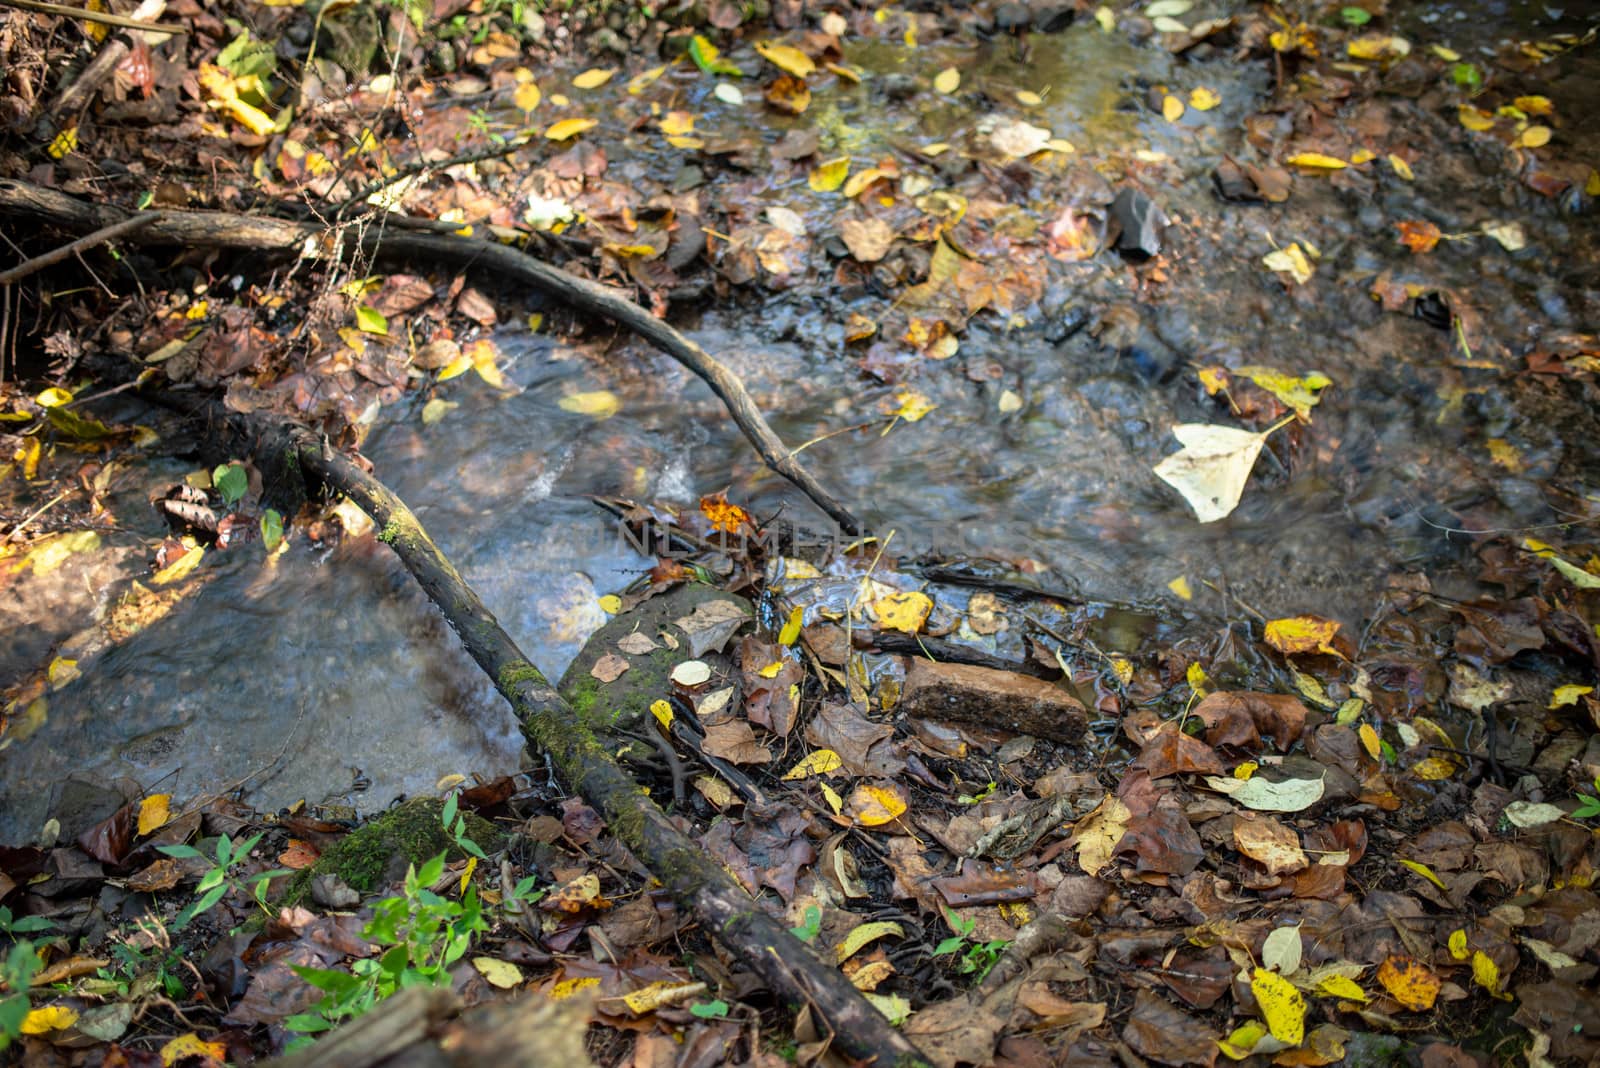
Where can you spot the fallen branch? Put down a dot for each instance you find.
(582, 757)
(215, 229)
(63, 111)
(99, 237)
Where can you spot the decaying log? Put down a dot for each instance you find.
(576, 746)
(225, 230)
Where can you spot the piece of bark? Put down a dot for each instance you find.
(1012, 702)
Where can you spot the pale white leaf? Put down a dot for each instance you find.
(1291, 795)
(1212, 468)
(1281, 950)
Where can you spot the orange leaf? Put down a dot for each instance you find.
(1419, 237)
(1410, 982)
(1302, 634)
(873, 805)
(725, 516)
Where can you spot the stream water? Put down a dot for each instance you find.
(324, 674)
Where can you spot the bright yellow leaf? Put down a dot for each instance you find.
(593, 78)
(64, 143)
(47, 1018)
(791, 627)
(1196, 677)
(865, 934)
(611, 604)
(1458, 944)
(1340, 986)
(905, 612)
(640, 82)
(675, 123)
(527, 96)
(661, 708)
(1409, 982)
(1203, 99)
(786, 58)
(1317, 161)
(153, 812)
(913, 405)
(1181, 588)
(1474, 118)
(872, 805)
(1568, 695)
(499, 973)
(1362, 155)
(1401, 167)
(1171, 108)
(1370, 741)
(180, 567)
(1486, 973)
(1433, 769)
(661, 994)
(568, 987)
(827, 177)
(569, 128)
(1534, 137)
(947, 81)
(1243, 1040)
(835, 802)
(771, 670)
(1302, 634)
(190, 1045)
(820, 762)
(1535, 105)
(1282, 1006)
(1424, 871)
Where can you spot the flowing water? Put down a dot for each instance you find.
(325, 675)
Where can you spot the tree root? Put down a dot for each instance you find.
(216, 229)
(800, 979)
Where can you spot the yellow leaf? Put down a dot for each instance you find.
(47, 1018)
(1243, 1040)
(1282, 1006)
(62, 670)
(527, 96)
(64, 143)
(675, 123)
(947, 81)
(611, 604)
(1096, 835)
(1567, 695)
(1362, 155)
(189, 1045)
(786, 58)
(1409, 982)
(1486, 973)
(1433, 769)
(1029, 99)
(771, 670)
(197, 310)
(1302, 634)
(1171, 108)
(640, 82)
(1401, 167)
(569, 128)
(791, 628)
(1203, 99)
(1211, 469)
(1245, 770)
(1458, 944)
(54, 397)
(1106, 18)
(1449, 55)
(820, 762)
(1299, 392)
(827, 177)
(436, 409)
(835, 802)
(600, 403)
(458, 366)
(1378, 46)
(1341, 986)
(593, 78)
(1317, 161)
(865, 934)
(1196, 677)
(1424, 871)
(904, 612)
(568, 987)
(179, 568)
(859, 182)
(661, 994)
(1534, 105)
(662, 710)
(153, 812)
(1534, 137)
(1370, 741)
(499, 973)
(1474, 118)
(913, 405)
(1181, 588)
(872, 805)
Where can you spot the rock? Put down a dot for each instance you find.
(1140, 221)
(1018, 703)
(898, 85)
(1053, 17)
(1012, 18)
(1065, 324)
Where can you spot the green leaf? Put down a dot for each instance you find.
(447, 814)
(271, 529)
(371, 321)
(1466, 74)
(231, 481)
(949, 945)
(431, 871)
(1356, 16)
(306, 1023)
(181, 852)
(707, 57)
(710, 1010)
(329, 979)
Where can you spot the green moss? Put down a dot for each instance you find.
(377, 853)
(390, 534)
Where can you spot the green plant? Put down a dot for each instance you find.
(420, 935)
(1355, 16)
(219, 879)
(808, 931)
(973, 958)
(16, 975)
(231, 483)
(455, 826)
(27, 925)
(710, 1010)
(1588, 804)
(144, 961)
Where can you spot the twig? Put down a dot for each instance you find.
(51, 503)
(88, 241)
(103, 17)
(215, 229)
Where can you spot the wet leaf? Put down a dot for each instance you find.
(1171, 108)
(1096, 836)
(1486, 973)
(728, 93)
(709, 59)
(1317, 161)
(789, 94)
(569, 128)
(47, 1018)
(1203, 99)
(1573, 574)
(947, 81)
(594, 77)
(1213, 466)
(1409, 982)
(905, 612)
(662, 710)
(792, 627)
(1475, 119)
(1418, 236)
(867, 239)
(1282, 1006)
(1181, 588)
(830, 175)
(724, 516)
(786, 58)
(1510, 235)
(1016, 139)
(527, 96)
(1378, 46)
(1270, 843)
(601, 403)
(1562, 696)
(1292, 261)
(1401, 167)
(1534, 137)
(911, 405)
(1302, 634)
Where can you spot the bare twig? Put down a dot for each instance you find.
(103, 17)
(99, 237)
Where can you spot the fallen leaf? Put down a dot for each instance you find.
(500, 973)
(1282, 1006)
(567, 129)
(947, 81)
(1418, 236)
(865, 934)
(593, 78)
(1270, 843)
(1317, 161)
(1171, 108)
(1409, 982)
(1291, 795)
(867, 239)
(786, 58)
(153, 812)
(1213, 466)
(873, 805)
(600, 403)
(1095, 836)
(1302, 634)
(1292, 261)
(905, 612)
(1203, 99)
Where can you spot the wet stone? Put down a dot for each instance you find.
(1053, 18)
(1065, 323)
(899, 86)
(964, 694)
(1140, 221)
(1012, 18)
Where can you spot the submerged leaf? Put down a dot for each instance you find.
(1212, 467)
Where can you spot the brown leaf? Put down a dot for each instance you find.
(769, 696)
(860, 743)
(1171, 752)
(609, 668)
(736, 743)
(1159, 1030)
(1232, 718)
(954, 1032)
(1162, 841)
(1269, 842)
(867, 239)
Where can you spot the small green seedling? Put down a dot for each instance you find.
(1588, 804)
(808, 931)
(972, 957)
(455, 826)
(217, 882)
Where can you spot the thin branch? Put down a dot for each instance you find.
(99, 237)
(103, 17)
